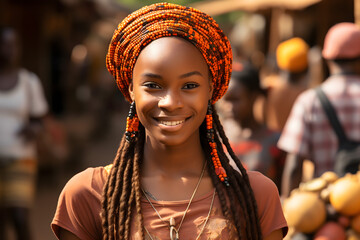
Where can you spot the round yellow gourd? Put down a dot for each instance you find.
(345, 195)
(304, 211)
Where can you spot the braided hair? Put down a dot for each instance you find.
(122, 191)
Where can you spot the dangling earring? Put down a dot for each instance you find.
(219, 170)
(132, 124)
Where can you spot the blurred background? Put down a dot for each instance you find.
(65, 42)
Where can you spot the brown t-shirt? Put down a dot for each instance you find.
(79, 207)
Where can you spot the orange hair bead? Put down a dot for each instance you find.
(219, 170)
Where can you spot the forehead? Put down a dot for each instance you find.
(171, 51)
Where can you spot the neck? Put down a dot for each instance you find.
(294, 78)
(346, 68)
(185, 159)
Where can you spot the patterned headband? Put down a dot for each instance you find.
(145, 25)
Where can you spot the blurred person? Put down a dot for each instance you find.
(308, 133)
(22, 105)
(292, 60)
(253, 143)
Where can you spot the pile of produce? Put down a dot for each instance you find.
(325, 208)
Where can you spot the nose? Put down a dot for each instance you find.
(171, 101)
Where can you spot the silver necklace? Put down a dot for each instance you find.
(203, 227)
(174, 233)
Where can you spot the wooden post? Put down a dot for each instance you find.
(357, 12)
(274, 38)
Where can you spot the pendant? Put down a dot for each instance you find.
(174, 234)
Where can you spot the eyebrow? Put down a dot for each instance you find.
(152, 75)
(189, 74)
(185, 75)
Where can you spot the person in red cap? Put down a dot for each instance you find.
(308, 133)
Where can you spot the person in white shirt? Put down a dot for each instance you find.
(22, 108)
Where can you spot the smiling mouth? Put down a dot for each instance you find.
(172, 123)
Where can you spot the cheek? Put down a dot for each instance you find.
(144, 104)
(202, 110)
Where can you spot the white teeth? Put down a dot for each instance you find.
(171, 123)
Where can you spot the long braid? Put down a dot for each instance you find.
(139, 153)
(244, 182)
(238, 206)
(112, 193)
(108, 211)
(108, 188)
(125, 192)
(239, 213)
(218, 185)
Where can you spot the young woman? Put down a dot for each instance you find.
(170, 179)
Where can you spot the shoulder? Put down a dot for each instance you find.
(28, 75)
(262, 185)
(89, 181)
(306, 97)
(79, 205)
(265, 191)
(267, 197)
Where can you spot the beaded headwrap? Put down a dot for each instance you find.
(159, 20)
(145, 25)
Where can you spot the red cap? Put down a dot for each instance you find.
(342, 41)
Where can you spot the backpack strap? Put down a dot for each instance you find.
(331, 115)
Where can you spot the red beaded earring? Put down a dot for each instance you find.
(132, 124)
(219, 170)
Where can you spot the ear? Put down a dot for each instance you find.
(131, 91)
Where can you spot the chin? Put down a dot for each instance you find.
(172, 141)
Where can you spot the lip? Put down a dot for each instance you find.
(171, 123)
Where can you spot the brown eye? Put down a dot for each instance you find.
(191, 85)
(152, 85)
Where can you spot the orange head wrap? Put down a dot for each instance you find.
(145, 25)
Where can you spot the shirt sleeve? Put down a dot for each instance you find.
(269, 206)
(38, 103)
(296, 133)
(78, 209)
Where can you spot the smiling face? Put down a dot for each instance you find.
(171, 89)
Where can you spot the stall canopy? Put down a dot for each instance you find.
(217, 7)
